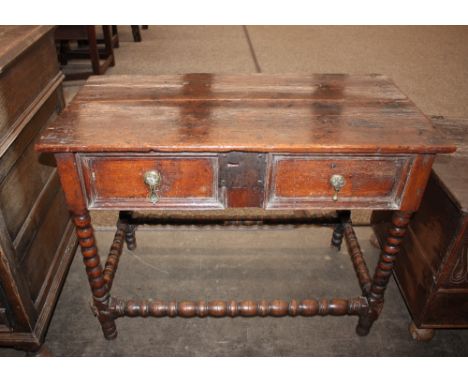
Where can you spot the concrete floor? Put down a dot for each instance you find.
(283, 262)
(430, 64)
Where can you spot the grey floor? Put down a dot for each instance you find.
(189, 263)
(237, 264)
(430, 64)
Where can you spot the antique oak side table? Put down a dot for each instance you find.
(209, 142)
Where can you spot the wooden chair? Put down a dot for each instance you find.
(87, 33)
(135, 32)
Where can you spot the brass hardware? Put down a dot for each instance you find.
(337, 182)
(152, 180)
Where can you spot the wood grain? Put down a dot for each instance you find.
(36, 243)
(261, 113)
(186, 181)
(304, 181)
(18, 39)
(246, 308)
(22, 82)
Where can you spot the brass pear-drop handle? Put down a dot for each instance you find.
(337, 182)
(152, 179)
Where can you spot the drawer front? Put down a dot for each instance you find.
(305, 181)
(184, 181)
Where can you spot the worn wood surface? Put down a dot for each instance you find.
(23, 184)
(247, 308)
(16, 40)
(32, 77)
(262, 113)
(305, 180)
(36, 242)
(186, 181)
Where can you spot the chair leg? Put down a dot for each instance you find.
(337, 237)
(136, 33)
(115, 36)
(64, 48)
(93, 50)
(130, 237)
(106, 30)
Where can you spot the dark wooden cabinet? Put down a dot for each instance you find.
(432, 271)
(36, 241)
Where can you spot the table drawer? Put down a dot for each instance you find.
(305, 181)
(181, 182)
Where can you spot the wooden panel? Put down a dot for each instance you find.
(39, 257)
(454, 274)
(56, 275)
(47, 109)
(14, 285)
(186, 181)
(22, 185)
(16, 40)
(304, 181)
(447, 310)
(437, 216)
(256, 113)
(33, 216)
(21, 83)
(22, 173)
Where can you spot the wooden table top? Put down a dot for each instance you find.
(322, 113)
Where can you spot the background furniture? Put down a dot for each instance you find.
(211, 142)
(36, 237)
(432, 271)
(66, 33)
(135, 33)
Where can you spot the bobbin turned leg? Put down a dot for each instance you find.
(99, 287)
(77, 204)
(124, 222)
(337, 237)
(383, 271)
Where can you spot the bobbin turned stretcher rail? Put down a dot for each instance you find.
(229, 308)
